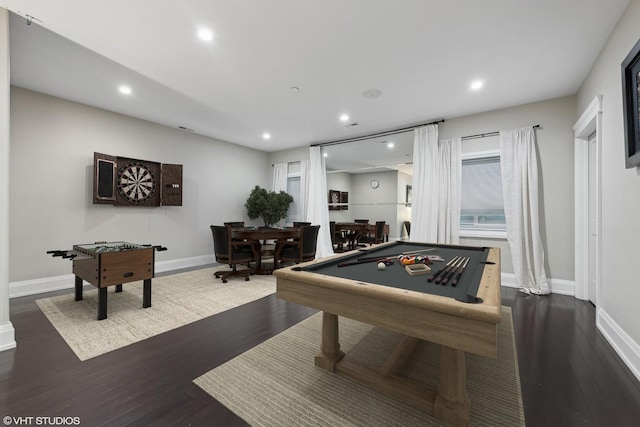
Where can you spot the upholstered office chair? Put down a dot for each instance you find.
(337, 238)
(301, 250)
(299, 224)
(232, 252)
(376, 237)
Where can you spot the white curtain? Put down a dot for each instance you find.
(280, 172)
(437, 177)
(317, 206)
(304, 187)
(519, 168)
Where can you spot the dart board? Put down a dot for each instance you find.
(136, 182)
(124, 181)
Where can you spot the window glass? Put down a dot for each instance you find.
(295, 208)
(482, 206)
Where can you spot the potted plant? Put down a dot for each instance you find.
(268, 205)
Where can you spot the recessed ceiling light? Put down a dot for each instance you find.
(125, 90)
(390, 144)
(325, 155)
(477, 84)
(205, 34)
(344, 117)
(266, 135)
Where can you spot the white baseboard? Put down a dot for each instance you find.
(56, 283)
(623, 344)
(7, 336)
(558, 286)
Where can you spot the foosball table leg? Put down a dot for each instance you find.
(102, 303)
(78, 288)
(146, 294)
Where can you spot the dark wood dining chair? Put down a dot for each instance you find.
(301, 250)
(232, 252)
(361, 221)
(376, 237)
(300, 224)
(234, 224)
(337, 238)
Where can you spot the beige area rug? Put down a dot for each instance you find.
(176, 300)
(277, 384)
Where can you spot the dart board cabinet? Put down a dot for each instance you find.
(124, 181)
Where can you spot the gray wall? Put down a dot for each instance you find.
(620, 201)
(52, 146)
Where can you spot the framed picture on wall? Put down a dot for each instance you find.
(344, 199)
(631, 106)
(334, 200)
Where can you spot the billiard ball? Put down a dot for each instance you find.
(382, 265)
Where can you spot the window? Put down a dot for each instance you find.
(482, 210)
(295, 209)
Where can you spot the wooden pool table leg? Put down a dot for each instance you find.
(330, 353)
(452, 402)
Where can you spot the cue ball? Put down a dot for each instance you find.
(381, 266)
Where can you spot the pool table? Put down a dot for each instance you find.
(461, 318)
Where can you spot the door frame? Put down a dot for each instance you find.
(590, 121)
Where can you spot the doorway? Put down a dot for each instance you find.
(588, 143)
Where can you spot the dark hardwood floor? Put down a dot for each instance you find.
(570, 376)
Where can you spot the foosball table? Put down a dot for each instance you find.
(105, 264)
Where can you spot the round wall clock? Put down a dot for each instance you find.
(136, 182)
(375, 183)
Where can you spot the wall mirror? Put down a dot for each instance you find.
(375, 172)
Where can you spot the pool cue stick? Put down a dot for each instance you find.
(348, 263)
(455, 280)
(452, 272)
(442, 270)
(364, 258)
(446, 275)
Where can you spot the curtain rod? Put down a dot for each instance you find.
(374, 135)
(485, 135)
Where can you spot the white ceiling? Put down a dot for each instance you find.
(421, 54)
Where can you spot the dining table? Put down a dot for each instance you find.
(258, 237)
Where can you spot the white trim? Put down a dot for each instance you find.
(7, 336)
(480, 154)
(486, 234)
(623, 344)
(557, 286)
(589, 121)
(56, 283)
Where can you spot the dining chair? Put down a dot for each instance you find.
(337, 238)
(361, 221)
(301, 250)
(300, 224)
(376, 237)
(232, 252)
(234, 224)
